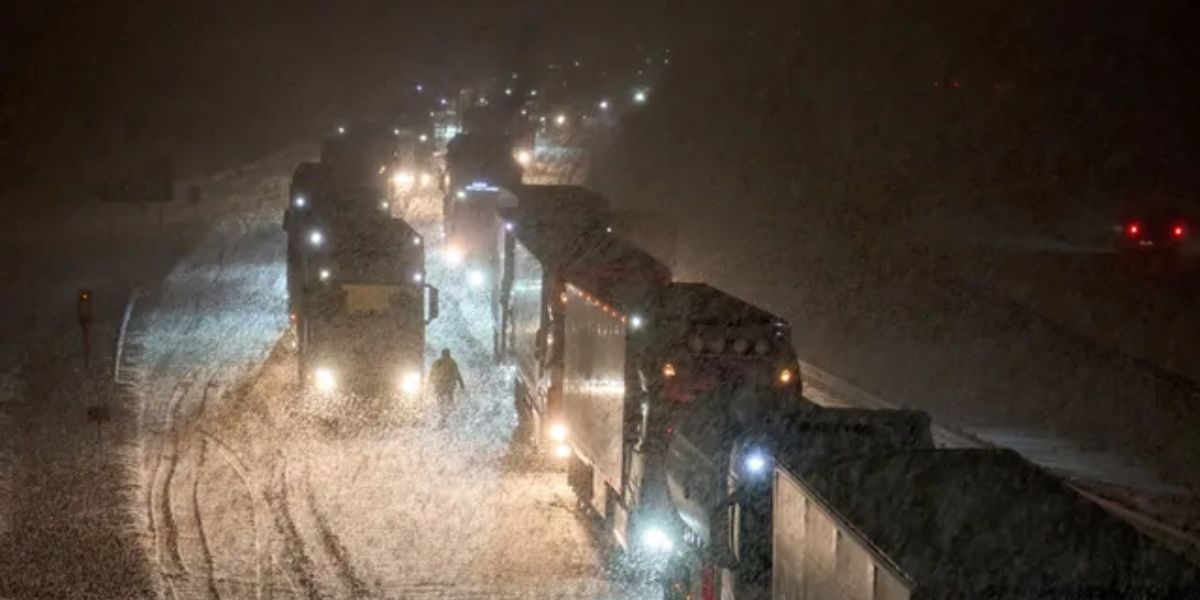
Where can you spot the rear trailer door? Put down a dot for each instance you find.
(594, 388)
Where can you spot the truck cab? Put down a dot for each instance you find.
(364, 307)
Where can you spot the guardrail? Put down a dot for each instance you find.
(124, 330)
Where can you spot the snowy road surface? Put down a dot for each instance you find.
(254, 490)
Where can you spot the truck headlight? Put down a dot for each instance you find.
(524, 157)
(656, 540)
(316, 238)
(410, 382)
(403, 179)
(557, 432)
(325, 379)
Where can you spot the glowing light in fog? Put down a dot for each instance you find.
(402, 179)
(657, 540)
(524, 157)
(341, 130)
(507, 91)
(420, 88)
(756, 463)
(454, 255)
(475, 278)
(443, 101)
(410, 382)
(558, 432)
(324, 275)
(562, 451)
(785, 376)
(316, 238)
(636, 322)
(604, 105)
(418, 278)
(668, 370)
(460, 194)
(416, 241)
(508, 226)
(301, 201)
(395, 132)
(424, 138)
(560, 120)
(639, 97)
(325, 379)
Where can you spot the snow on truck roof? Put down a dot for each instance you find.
(703, 304)
(615, 271)
(933, 514)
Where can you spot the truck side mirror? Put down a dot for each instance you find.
(434, 306)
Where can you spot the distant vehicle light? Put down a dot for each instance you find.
(300, 201)
(560, 120)
(785, 376)
(316, 238)
(426, 180)
(416, 240)
(455, 255)
(1133, 229)
(558, 432)
(562, 451)
(325, 379)
(476, 279)
(420, 88)
(533, 92)
(461, 194)
(636, 322)
(410, 383)
(341, 130)
(524, 157)
(385, 205)
(396, 131)
(508, 226)
(507, 91)
(1178, 230)
(604, 105)
(423, 138)
(443, 101)
(639, 97)
(668, 370)
(418, 277)
(324, 275)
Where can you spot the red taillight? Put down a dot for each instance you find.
(1178, 231)
(1133, 229)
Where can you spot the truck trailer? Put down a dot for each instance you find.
(550, 225)
(640, 356)
(953, 524)
(719, 479)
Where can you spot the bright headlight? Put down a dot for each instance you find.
(410, 382)
(756, 462)
(656, 540)
(476, 279)
(455, 255)
(562, 451)
(300, 201)
(325, 379)
(558, 432)
(524, 157)
(426, 180)
(316, 238)
(403, 179)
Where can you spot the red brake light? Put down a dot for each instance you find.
(1133, 229)
(1178, 231)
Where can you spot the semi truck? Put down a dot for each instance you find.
(541, 237)
(363, 309)
(951, 524)
(640, 355)
(719, 481)
(479, 161)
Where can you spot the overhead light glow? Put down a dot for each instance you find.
(604, 105)
(316, 238)
(560, 120)
(300, 201)
(636, 322)
(324, 275)
(756, 462)
(639, 97)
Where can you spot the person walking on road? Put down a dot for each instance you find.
(445, 376)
